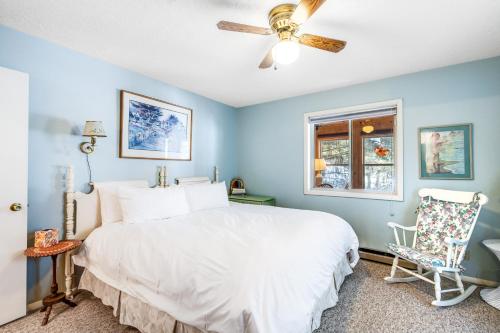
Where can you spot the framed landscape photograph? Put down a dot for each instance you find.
(154, 129)
(446, 152)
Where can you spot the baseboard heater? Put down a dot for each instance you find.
(383, 257)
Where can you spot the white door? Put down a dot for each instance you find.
(13, 193)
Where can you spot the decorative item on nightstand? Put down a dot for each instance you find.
(253, 199)
(93, 129)
(319, 166)
(237, 186)
(46, 238)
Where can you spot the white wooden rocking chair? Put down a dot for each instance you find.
(444, 226)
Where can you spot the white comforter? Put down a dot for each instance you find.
(244, 268)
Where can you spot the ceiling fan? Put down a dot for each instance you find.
(285, 21)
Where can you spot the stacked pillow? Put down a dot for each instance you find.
(206, 196)
(108, 198)
(136, 203)
(150, 204)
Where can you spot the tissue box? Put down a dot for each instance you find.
(46, 238)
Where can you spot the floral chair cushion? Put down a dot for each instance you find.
(425, 260)
(440, 219)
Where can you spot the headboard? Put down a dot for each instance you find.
(81, 207)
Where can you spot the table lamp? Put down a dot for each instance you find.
(319, 165)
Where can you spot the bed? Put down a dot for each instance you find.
(240, 268)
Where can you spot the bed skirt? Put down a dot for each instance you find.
(131, 311)
(148, 319)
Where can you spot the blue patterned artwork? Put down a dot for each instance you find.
(154, 130)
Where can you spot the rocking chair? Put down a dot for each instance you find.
(444, 226)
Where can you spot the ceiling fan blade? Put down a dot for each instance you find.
(324, 43)
(305, 9)
(231, 26)
(268, 60)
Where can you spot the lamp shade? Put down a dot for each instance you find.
(319, 164)
(94, 128)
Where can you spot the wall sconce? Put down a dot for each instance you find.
(93, 129)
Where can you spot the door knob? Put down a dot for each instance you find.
(16, 207)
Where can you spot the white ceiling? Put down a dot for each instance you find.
(176, 41)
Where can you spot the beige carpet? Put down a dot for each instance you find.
(367, 304)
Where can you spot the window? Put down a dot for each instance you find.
(333, 142)
(355, 152)
(336, 156)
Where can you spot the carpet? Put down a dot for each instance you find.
(366, 304)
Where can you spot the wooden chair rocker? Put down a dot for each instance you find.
(444, 226)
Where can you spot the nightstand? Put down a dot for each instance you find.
(52, 251)
(253, 199)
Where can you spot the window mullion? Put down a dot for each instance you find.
(350, 154)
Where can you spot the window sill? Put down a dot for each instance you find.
(359, 194)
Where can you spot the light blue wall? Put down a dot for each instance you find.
(270, 146)
(67, 88)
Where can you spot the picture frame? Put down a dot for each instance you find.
(154, 129)
(445, 152)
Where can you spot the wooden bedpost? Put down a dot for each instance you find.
(69, 221)
(216, 174)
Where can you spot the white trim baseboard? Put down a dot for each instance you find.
(480, 282)
(35, 306)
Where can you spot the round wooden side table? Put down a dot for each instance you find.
(53, 251)
(490, 295)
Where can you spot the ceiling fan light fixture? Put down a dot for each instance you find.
(285, 21)
(286, 52)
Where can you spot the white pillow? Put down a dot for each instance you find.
(206, 196)
(108, 197)
(147, 204)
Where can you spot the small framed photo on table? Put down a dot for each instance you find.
(446, 152)
(154, 129)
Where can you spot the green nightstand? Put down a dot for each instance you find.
(253, 199)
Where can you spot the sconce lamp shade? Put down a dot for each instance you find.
(319, 164)
(94, 128)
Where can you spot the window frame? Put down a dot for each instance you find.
(309, 150)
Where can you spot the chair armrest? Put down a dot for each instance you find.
(398, 226)
(457, 242)
(395, 225)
